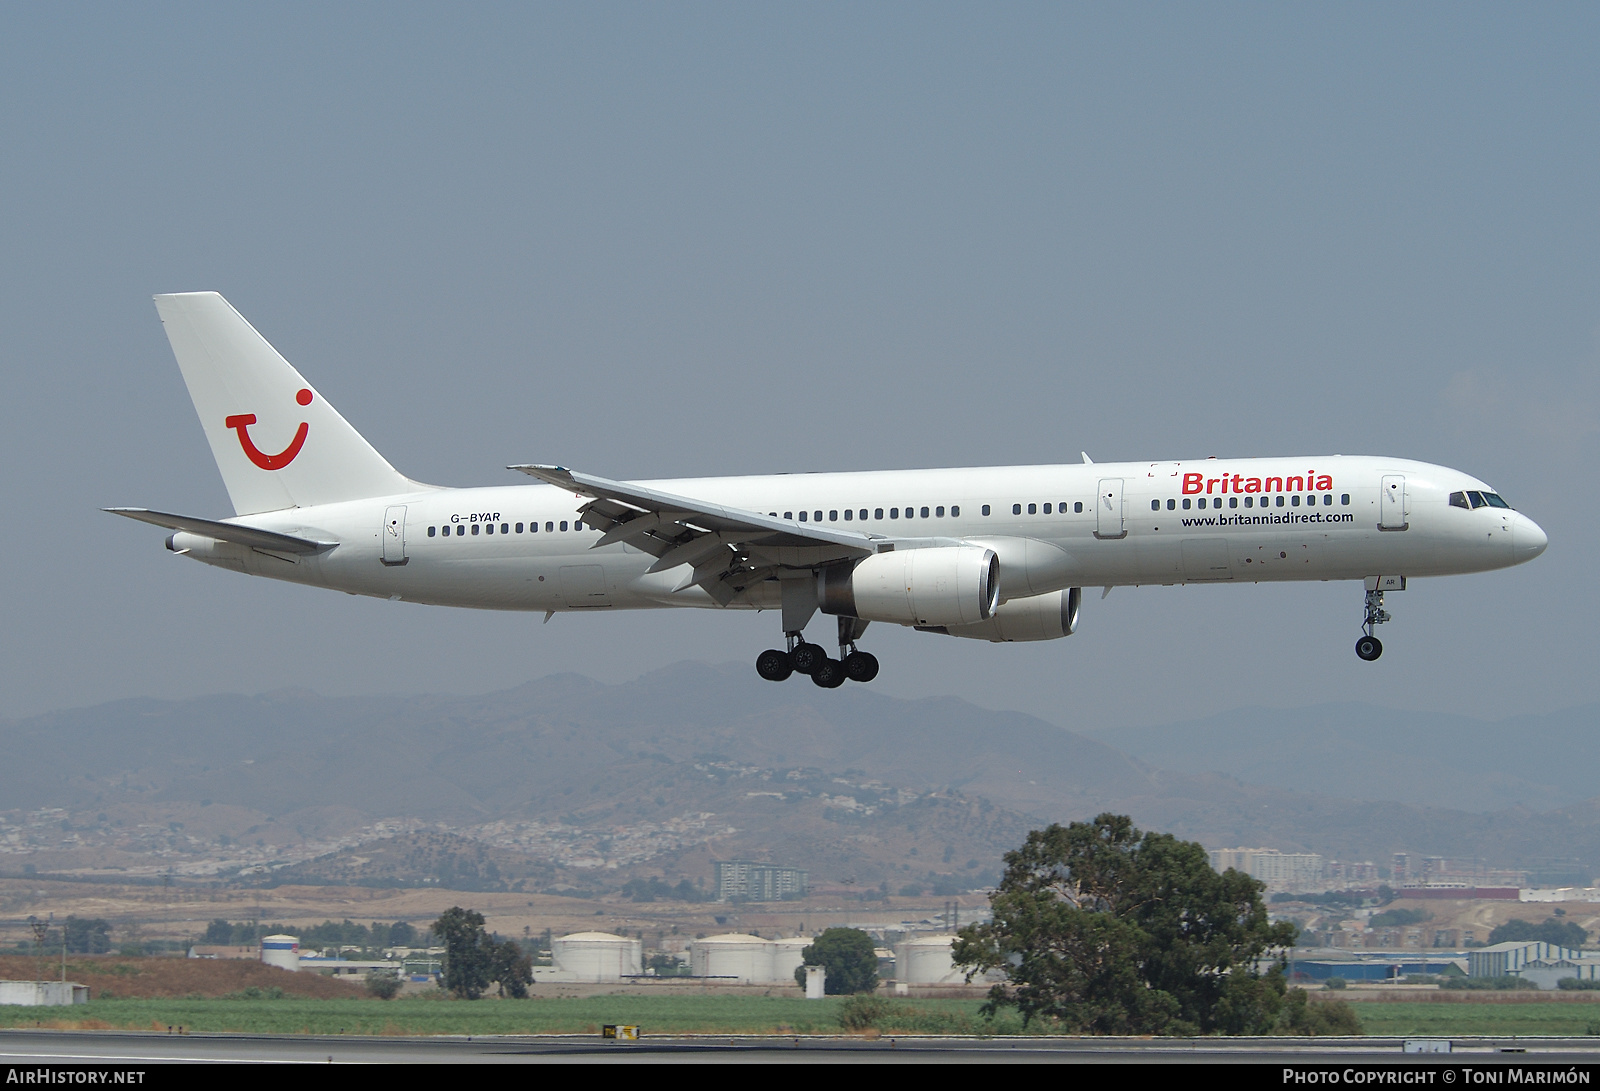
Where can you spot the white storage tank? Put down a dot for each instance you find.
(925, 960)
(786, 957)
(597, 956)
(744, 958)
(281, 951)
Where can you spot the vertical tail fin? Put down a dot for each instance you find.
(278, 443)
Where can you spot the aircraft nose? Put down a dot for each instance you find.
(1528, 539)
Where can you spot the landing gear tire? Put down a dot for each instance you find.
(861, 666)
(805, 657)
(828, 673)
(774, 665)
(1369, 648)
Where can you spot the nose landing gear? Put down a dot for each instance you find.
(805, 658)
(1369, 647)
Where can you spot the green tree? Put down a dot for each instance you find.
(1105, 929)
(88, 937)
(466, 952)
(511, 969)
(849, 957)
(1550, 930)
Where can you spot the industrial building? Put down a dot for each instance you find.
(745, 959)
(1511, 957)
(281, 951)
(596, 957)
(38, 994)
(745, 881)
(926, 960)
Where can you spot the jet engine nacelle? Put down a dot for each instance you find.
(940, 585)
(1039, 617)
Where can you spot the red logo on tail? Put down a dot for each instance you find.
(241, 424)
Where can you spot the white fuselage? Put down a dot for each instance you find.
(1053, 527)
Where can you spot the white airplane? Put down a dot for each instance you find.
(993, 553)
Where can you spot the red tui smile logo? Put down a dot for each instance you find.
(241, 424)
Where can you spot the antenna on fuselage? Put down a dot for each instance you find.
(1087, 461)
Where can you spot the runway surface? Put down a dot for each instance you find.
(132, 1049)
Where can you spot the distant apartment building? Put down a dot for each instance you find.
(1347, 873)
(743, 881)
(1281, 871)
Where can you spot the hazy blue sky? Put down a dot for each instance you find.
(662, 240)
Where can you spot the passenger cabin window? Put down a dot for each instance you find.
(1033, 509)
(818, 517)
(1171, 504)
(1016, 509)
(1078, 507)
(848, 514)
(788, 515)
(955, 511)
(1155, 505)
(505, 528)
(924, 513)
(1344, 499)
(1233, 501)
(460, 530)
(802, 517)
(833, 516)
(1047, 509)
(489, 529)
(864, 513)
(877, 513)
(519, 528)
(475, 528)
(431, 531)
(894, 513)
(1186, 503)
(563, 524)
(939, 511)
(984, 509)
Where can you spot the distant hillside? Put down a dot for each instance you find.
(1364, 752)
(585, 784)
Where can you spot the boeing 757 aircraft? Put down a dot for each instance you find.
(991, 553)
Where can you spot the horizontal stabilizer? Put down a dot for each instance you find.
(226, 532)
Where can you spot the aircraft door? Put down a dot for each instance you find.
(1108, 510)
(583, 585)
(1392, 503)
(394, 536)
(1206, 559)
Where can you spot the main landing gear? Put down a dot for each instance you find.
(813, 659)
(1369, 647)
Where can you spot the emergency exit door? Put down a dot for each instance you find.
(1108, 510)
(394, 536)
(1392, 504)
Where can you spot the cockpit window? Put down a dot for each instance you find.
(1475, 499)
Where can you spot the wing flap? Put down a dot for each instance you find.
(727, 550)
(746, 526)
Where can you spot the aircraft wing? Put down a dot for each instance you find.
(226, 532)
(728, 549)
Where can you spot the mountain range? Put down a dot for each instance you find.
(587, 784)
